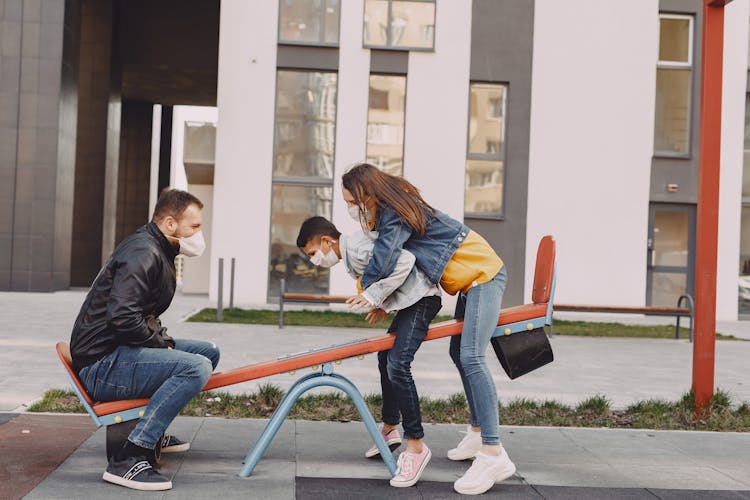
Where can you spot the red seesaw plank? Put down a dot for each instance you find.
(368, 346)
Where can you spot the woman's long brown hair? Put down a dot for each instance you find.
(364, 180)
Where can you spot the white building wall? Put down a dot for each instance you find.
(244, 146)
(437, 114)
(736, 24)
(351, 122)
(196, 271)
(591, 142)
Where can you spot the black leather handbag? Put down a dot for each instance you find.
(522, 352)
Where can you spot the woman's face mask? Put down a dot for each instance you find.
(193, 246)
(355, 213)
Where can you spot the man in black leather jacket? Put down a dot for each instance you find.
(120, 350)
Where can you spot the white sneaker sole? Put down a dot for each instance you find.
(176, 448)
(136, 485)
(458, 456)
(412, 482)
(392, 445)
(486, 485)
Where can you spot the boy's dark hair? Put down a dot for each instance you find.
(315, 227)
(173, 202)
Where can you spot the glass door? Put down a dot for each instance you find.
(671, 253)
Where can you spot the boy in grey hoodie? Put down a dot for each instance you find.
(416, 301)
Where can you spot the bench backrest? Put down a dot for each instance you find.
(544, 271)
(63, 352)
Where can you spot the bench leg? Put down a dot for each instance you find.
(117, 434)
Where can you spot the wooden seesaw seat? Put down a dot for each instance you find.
(512, 320)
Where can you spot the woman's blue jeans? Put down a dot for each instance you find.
(480, 309)
(170, 377)
(400, 398)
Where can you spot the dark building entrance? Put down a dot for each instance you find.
(78, 82)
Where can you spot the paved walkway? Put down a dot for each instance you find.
(324, 459)
(624, 370)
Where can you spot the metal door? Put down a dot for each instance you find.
(671, 253)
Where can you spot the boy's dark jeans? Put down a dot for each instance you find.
(400, 398)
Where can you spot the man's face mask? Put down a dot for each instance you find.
(325, 259)
(193, 246)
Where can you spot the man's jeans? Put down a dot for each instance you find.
(400, 396)
(480, 309)
(170, 377)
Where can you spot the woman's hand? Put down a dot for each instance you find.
(358, 302)
(375, 315)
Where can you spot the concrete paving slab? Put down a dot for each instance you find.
(699, 494)
(372, 489)
(53, 439)
(574, 493)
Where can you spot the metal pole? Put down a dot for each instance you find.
(282, 289)
(231, 285)
(708, 203)
(220, 295)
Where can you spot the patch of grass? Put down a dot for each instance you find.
(722, 413)
(598, 329)
(293, 318)
(58, 401)
(357, 320)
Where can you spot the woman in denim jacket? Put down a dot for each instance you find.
(461, 261)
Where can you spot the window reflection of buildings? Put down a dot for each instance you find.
(305, 22)
(484, 167)
(412, 24)
(385, 122)
(305, 124)
(303, 173)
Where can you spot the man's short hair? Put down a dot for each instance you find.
(173, 202)
(314, 227)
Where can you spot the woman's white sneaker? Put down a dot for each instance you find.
(468, 447)
(484, 473)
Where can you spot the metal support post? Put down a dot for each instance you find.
(324, 378)
(231, 285)
(220, 294)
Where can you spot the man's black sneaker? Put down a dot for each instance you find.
(170, 444)
(136, 473)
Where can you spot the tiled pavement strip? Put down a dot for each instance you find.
(552, 462)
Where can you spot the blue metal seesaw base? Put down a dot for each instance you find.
(325, 377)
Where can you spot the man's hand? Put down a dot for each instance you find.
(358, 302)
(375, 315)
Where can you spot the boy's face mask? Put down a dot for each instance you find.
(326, 260)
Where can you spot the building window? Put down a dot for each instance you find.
(385, 123)
(485, 172)
(744, 281)
(399, 24)
(304, 143)
(673, 86)
(309, 22)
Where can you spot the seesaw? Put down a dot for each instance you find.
(120, 416)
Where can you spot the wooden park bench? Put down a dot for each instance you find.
(121, 416)
(678, 312)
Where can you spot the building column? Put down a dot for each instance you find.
(134, 168)
(38, 99)
(91, 147)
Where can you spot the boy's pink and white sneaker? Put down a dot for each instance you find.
(392, 439)
(484, 473)
(410, 467)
